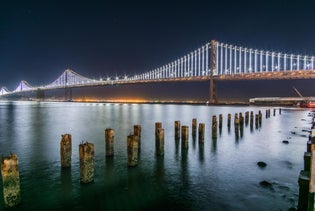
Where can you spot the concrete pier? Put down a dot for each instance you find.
(185, 136)
(109, 142)
(10, 180)
(86, 152)
(132, 150)
(159, 142)
(177, 129)
(65, 150)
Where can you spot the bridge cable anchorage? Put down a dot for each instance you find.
(212, 61)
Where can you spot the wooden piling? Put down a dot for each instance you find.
(304, 180)
(266, 113)
(280, 111)
(214, 126)
(10, 180)
(229, 121)
(274, 112)
(86, 152)
(132, 150)
(241, 120)
(201, 132)
(220, 120)
(65, 150)
(236, 126)
(251, 120)
(185, 135)
(256, 120)
(109, 142)
(246, 117)
(177, 129)
(137, 132)
(194, 127)
(157, 126)
(159, 142)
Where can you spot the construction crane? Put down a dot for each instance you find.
(297, 91)
(306, 102)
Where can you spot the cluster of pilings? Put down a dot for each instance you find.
(307, 175)
(9, 164)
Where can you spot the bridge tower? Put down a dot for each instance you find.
(68, 90)
(68, 93)
(213, 68)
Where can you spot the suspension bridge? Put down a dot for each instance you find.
(211, 62)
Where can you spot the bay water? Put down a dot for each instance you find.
(221, 174)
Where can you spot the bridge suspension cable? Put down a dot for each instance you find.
(212, 59)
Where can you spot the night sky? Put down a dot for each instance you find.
(40, 39)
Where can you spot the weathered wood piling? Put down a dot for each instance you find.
(109, 142)
(256, 120)
(307, 176)
(137, 132)
(220, 123)
(201, 132)
(229, 121)
(246, 117)
(177, 129)
(214, 126)
(185, 136)
(259, 118)
(86, 152)
(65, 150)
(194, 127)
(158, 125)
(236, 126)
(251, 121)
(10, 180)
(132, 150)
(159, 142)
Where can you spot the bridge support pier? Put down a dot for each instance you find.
(213, 91)
(68, 93)
(40, 95)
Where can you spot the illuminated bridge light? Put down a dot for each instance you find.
(213, 58)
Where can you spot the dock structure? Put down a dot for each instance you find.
(307, 176)
(279, 101)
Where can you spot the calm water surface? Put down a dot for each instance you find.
(220, 175)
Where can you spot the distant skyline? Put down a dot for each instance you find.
(40, 39)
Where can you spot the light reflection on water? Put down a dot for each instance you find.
(220, 174)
